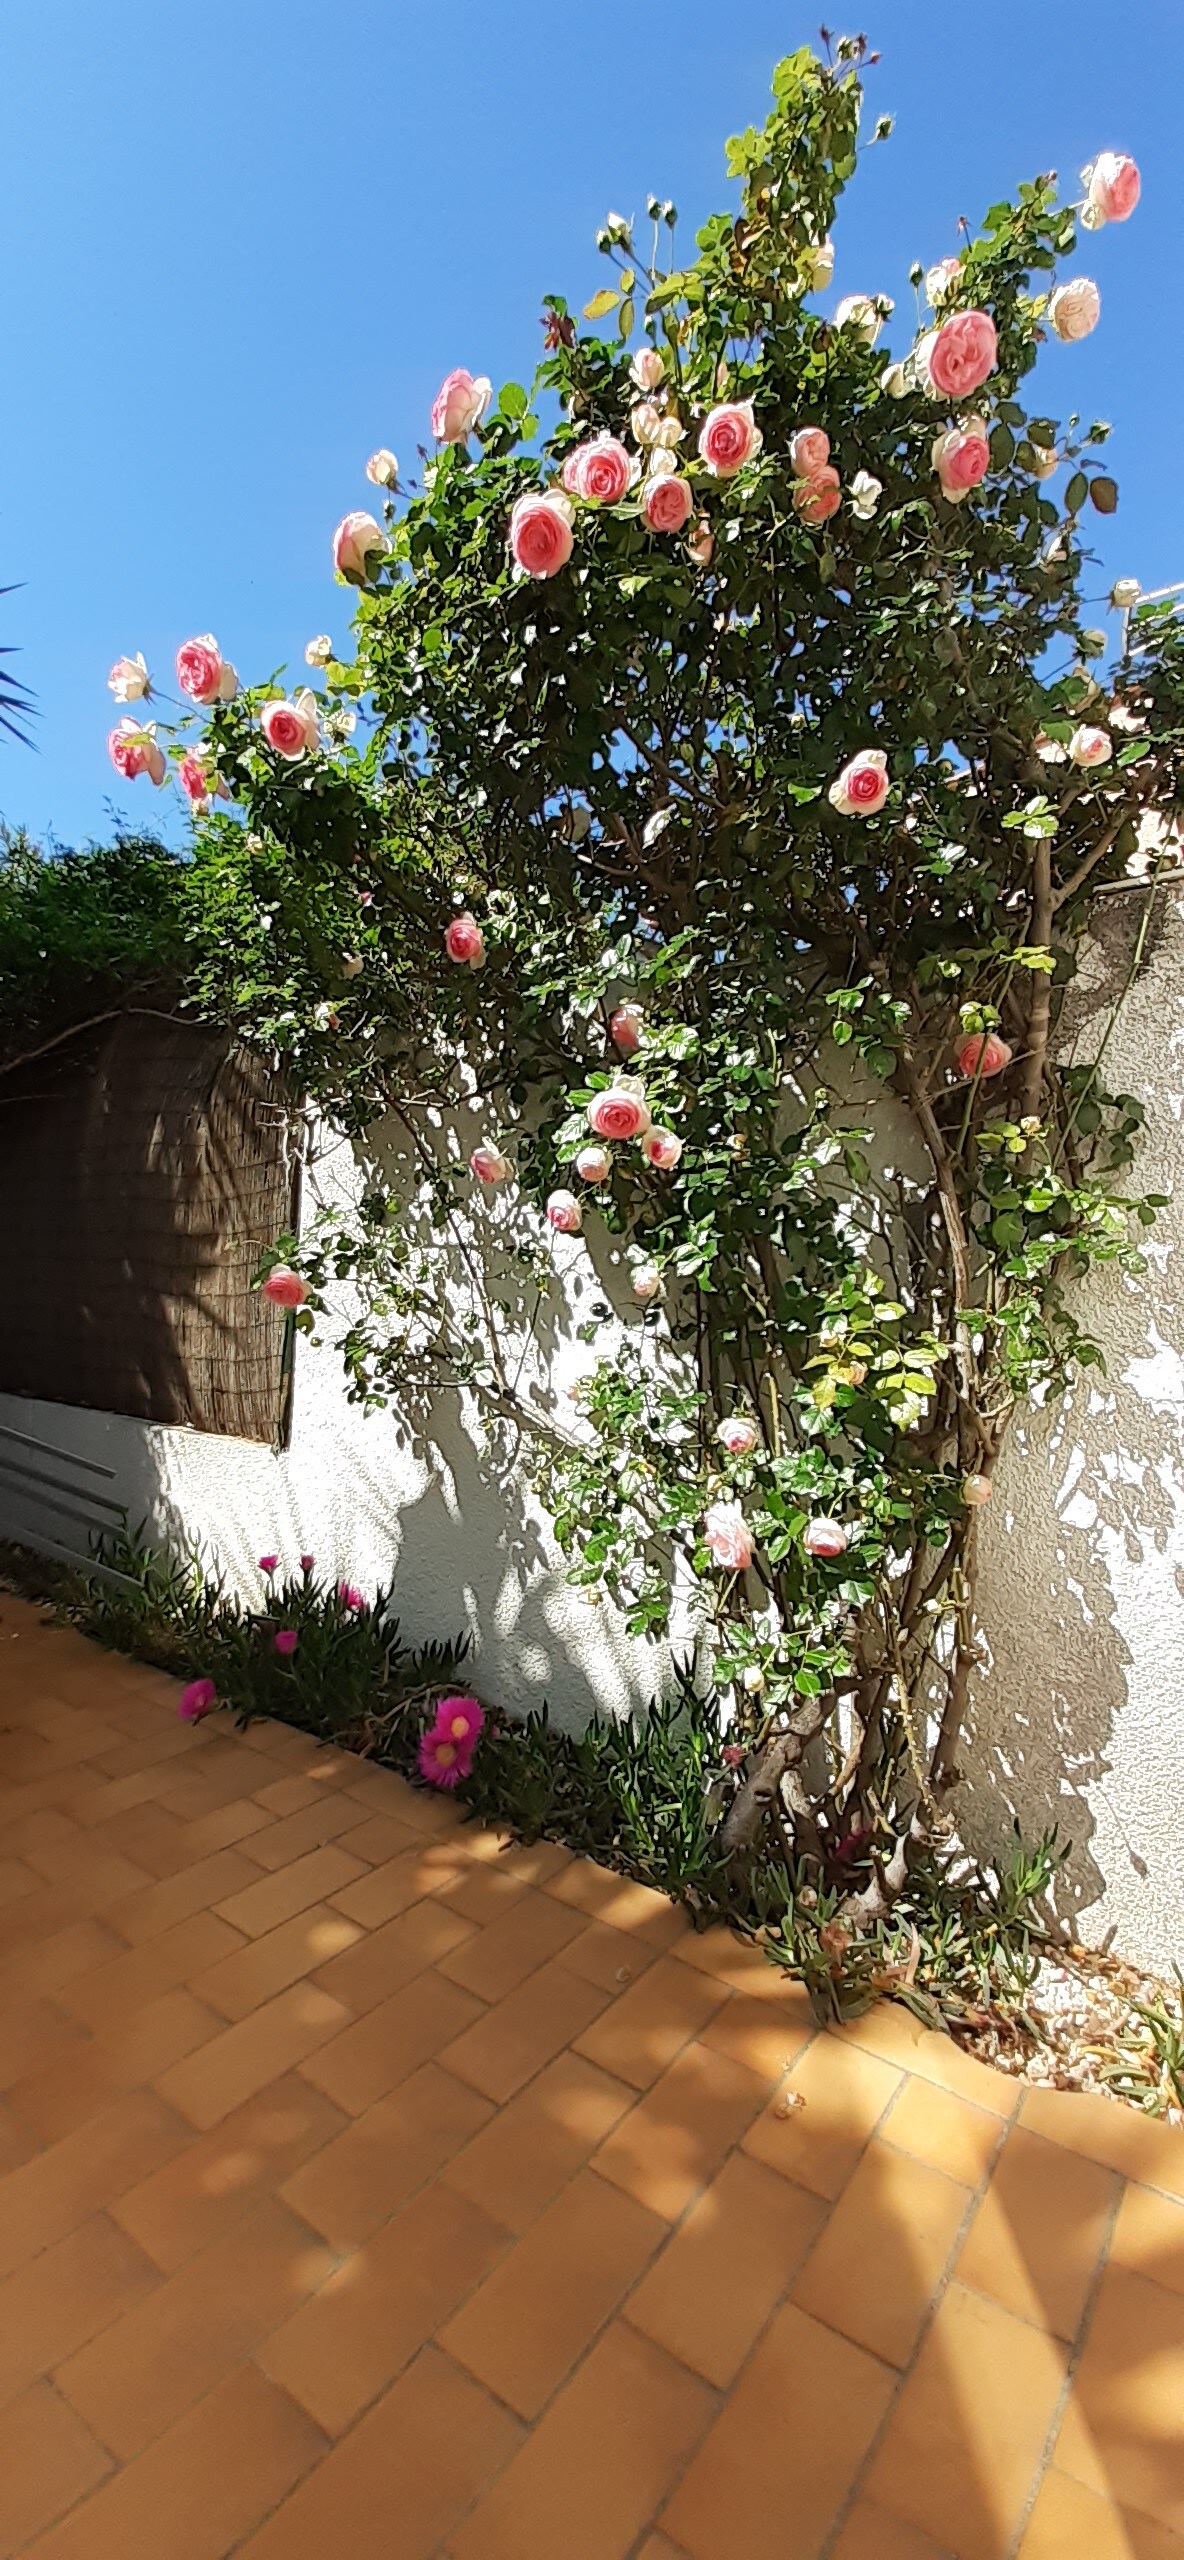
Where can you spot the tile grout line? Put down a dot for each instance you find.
(904, 2372)
(1072, 2361)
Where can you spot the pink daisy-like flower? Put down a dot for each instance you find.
(196, 1701)
(440, 1761)
(267, 1564)
(350, 1596)
(307, 1563)
(462, 1721)
(286, 1640)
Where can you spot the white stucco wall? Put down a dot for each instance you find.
(373, 1502)
(1078, 1716)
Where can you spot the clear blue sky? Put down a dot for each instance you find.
(244, 242)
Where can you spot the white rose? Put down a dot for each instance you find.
(1124, 593)
(1075, 308)
(1089, 747)
(647, 1281)
(865, 312)
(1046, 460)
(865, 494)
(318, 652)
(648, 369)
(383, 469)
(128, 680)
(939, 279)
(895, 381)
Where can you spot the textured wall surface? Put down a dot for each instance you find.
(370, 1499)
(1079, 1714)
(1078, 1717)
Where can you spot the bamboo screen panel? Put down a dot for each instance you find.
(142, 1168)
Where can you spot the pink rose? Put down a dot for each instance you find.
(459, 405)
(601, 470)
(199, 668)
(489, 1164)
(626, 1027)
(809, 452)
(646, 1282)
(961, 459)
(976, 1490)
(464, 941)
(862, 786)
(737, 1435)
(825, 1538)
(817, 499)
(985, 1054)
(666, 503)
(729, 437)
(286, 728)
(963, 352)
(540, 534)
(1112, 189)
(285, 1288)
(594, 1164)
(194, 780)
(1089, 747)
(134, 751)
(128, 680)
(620, 1111)
(1075, 308)
(661, 1148)
(286, 1640)
(564, 1213)
(196, 1701)
(729, 1537)
(357, 541)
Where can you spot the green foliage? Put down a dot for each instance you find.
(625, 771)
(85, 933)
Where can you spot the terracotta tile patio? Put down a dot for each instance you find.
(371, 2187)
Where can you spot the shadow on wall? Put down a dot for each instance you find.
(1076, 1715)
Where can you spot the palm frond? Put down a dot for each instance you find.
(16, 702)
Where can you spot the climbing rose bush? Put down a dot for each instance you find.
(711, 801)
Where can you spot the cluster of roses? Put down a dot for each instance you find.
(206, 677)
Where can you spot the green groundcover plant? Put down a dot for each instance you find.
(682, 874)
